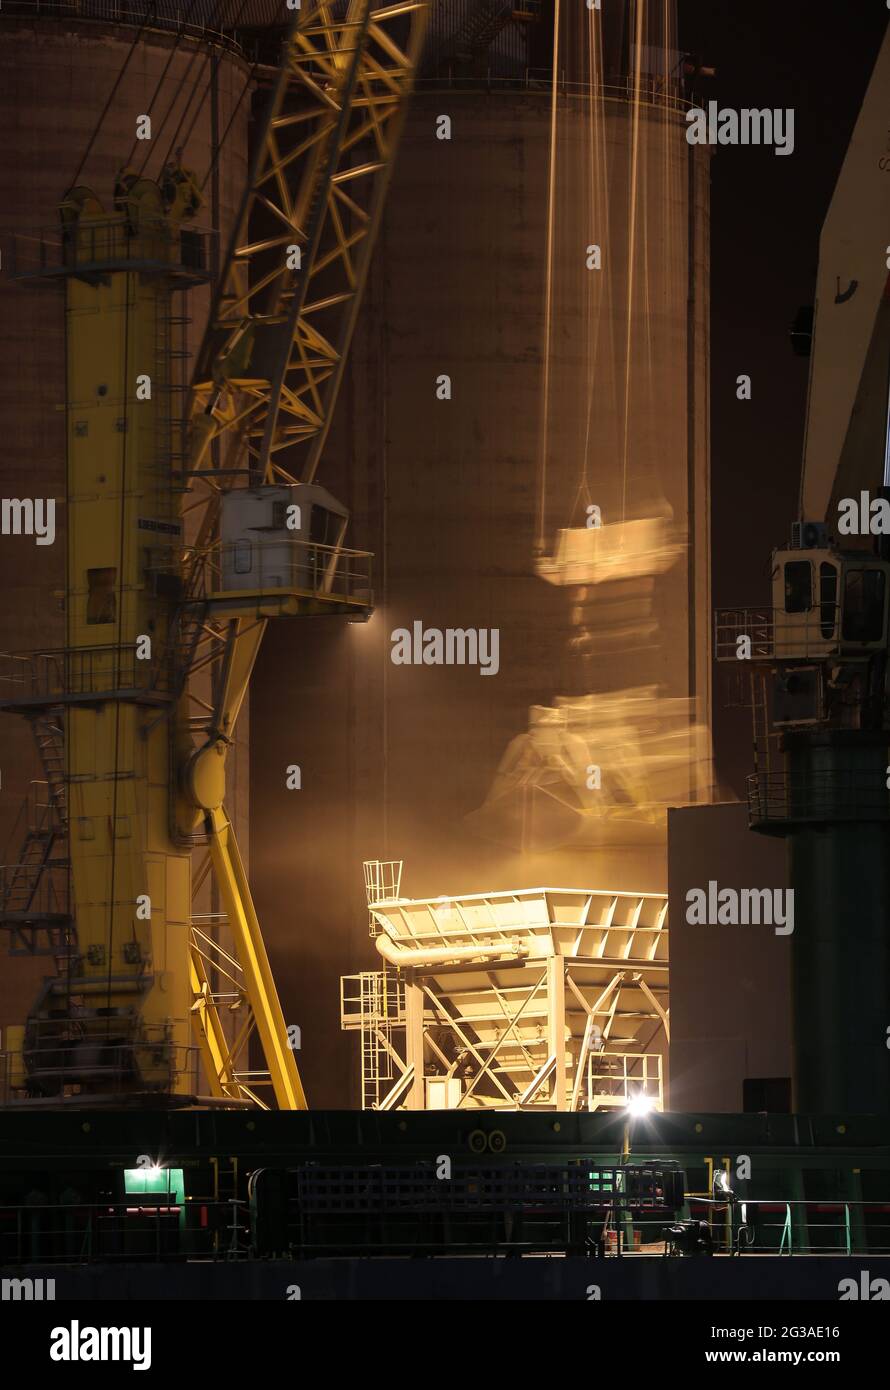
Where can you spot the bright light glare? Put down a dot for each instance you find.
(639, 1105)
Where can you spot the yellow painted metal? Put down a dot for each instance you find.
(267, 376)
(203, 774)
(15, 1041)
(207, 1030)
(251, 952)
(131, 882)
(265, 385)
(152, 685)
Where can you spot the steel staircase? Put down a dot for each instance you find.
(34, 890)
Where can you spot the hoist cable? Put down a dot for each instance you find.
(231, 121)
(209, 56)
(548, 297)
(161, 80)
(149, 14)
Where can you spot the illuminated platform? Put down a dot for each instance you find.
(542, 998)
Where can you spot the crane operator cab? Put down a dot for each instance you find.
(827, 603)
(829, 610)
(281, 537)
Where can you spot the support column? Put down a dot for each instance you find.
(556, 1029)
(840, 874)
(414, 1041)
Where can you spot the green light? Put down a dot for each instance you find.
(139, 1182)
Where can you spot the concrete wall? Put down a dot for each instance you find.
(395, 759)
(730, 985)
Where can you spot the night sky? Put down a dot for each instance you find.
(766, 216)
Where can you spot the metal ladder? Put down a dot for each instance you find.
(771, 793)
(171, 386)
(34, 892)
(376, 1031)
(49, 735)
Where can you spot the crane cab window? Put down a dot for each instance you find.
(324, 526)
(798, 586)
(864, 598)
(827, 599)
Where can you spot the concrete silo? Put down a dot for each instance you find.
(415, 761)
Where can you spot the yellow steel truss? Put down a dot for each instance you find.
(263, 394)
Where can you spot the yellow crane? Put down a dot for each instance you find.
(177, 558)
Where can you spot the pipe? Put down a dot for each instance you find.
(435, 955)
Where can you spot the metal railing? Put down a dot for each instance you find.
(385, 1210)
(372, 1003)
(765, 1226)
(77, 673)
(818, 797)
(32, 818)
(53, 1065)
(163, 14)
(35, 890)
(383, 880)
(615, 1078)
(108, 243)
(323, 573)
(539, 81)
(773, 633)
(149, 1227)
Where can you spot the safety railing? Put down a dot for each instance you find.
(77, 673)
(818, 796)
(649, 91)
(381, 1211)
(764, 1226)
(615, 1078)
(251, 566)
(733, 624)
(110, 243)
(33, 817)
(383, 881)
(371, 997)
(772, 633)
(34, 890)
(145, 1228)
(183, 18)
(53, 1064)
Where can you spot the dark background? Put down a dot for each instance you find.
(766, 217)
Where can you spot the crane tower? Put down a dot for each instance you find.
(184, 536)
